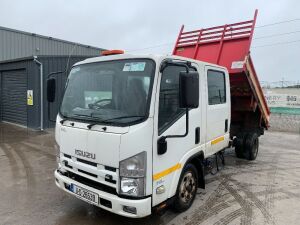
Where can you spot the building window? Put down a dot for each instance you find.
(216, 87)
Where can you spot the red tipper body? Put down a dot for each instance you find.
(229, 46)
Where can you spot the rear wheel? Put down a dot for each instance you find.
(251, 146)
(187, 188)
(239, 147)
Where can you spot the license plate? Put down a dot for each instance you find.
(85, 194)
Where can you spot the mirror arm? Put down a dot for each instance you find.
(162, 144)
(54, 73)
(186, 128)
(166, 63)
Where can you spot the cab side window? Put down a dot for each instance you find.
(169, 111)
(216, 87)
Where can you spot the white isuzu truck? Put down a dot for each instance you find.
(133, 130)
(127, 141)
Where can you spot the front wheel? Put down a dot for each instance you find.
(187, 188)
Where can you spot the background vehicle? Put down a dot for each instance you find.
(133, 130)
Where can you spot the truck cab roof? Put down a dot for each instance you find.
(155, 57)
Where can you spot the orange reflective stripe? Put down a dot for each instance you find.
(217, 140)
(166, 172)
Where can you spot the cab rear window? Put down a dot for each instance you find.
(216, 87)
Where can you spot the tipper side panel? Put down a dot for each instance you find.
(229, 46)
(222, 45)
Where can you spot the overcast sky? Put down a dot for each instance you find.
(137, 24)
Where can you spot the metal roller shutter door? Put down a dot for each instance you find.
(14, 96)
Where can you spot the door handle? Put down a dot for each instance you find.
(226, 125)
(197, 135)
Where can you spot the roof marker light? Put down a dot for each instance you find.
(112, 52)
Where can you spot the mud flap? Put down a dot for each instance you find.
(201, 179)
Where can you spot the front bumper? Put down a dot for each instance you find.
(143, 206)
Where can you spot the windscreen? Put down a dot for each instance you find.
(109, 92)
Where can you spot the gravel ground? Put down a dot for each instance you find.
(264, 191)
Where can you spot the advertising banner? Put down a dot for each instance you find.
(283, 100)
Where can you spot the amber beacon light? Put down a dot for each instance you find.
(112, 52)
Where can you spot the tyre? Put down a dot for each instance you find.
(239, 147)
(187, 188)
(251, 146)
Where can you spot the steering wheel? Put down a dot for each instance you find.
(100, 103)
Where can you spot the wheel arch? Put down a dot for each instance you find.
(195, 159)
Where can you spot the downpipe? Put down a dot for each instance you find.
(42, 92)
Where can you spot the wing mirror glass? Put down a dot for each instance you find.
(189, 90)
(51, 89)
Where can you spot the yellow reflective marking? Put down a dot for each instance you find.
(166, 172)
(217, 140)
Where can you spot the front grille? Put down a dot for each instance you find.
(67, 165)
(109, 178)
(87, 173)
(110, 168)
(87, 162)
(68, 156)
(91, 183)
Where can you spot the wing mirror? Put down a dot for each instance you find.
(189, 90)
(51, 89)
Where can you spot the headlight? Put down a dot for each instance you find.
(132, 175)
(132, 186)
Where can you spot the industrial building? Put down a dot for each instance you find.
(26, 61)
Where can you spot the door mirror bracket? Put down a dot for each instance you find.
(162, 144)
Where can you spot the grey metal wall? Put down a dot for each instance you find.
(18, 44)
(31, 69)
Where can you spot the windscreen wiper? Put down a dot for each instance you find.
(104, 121)
(90, 118)
(86, 117)
(115, 118)
(82, 115)
(91, 125)
(121, 117)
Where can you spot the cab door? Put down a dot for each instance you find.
(217, 109)
(171, 120)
